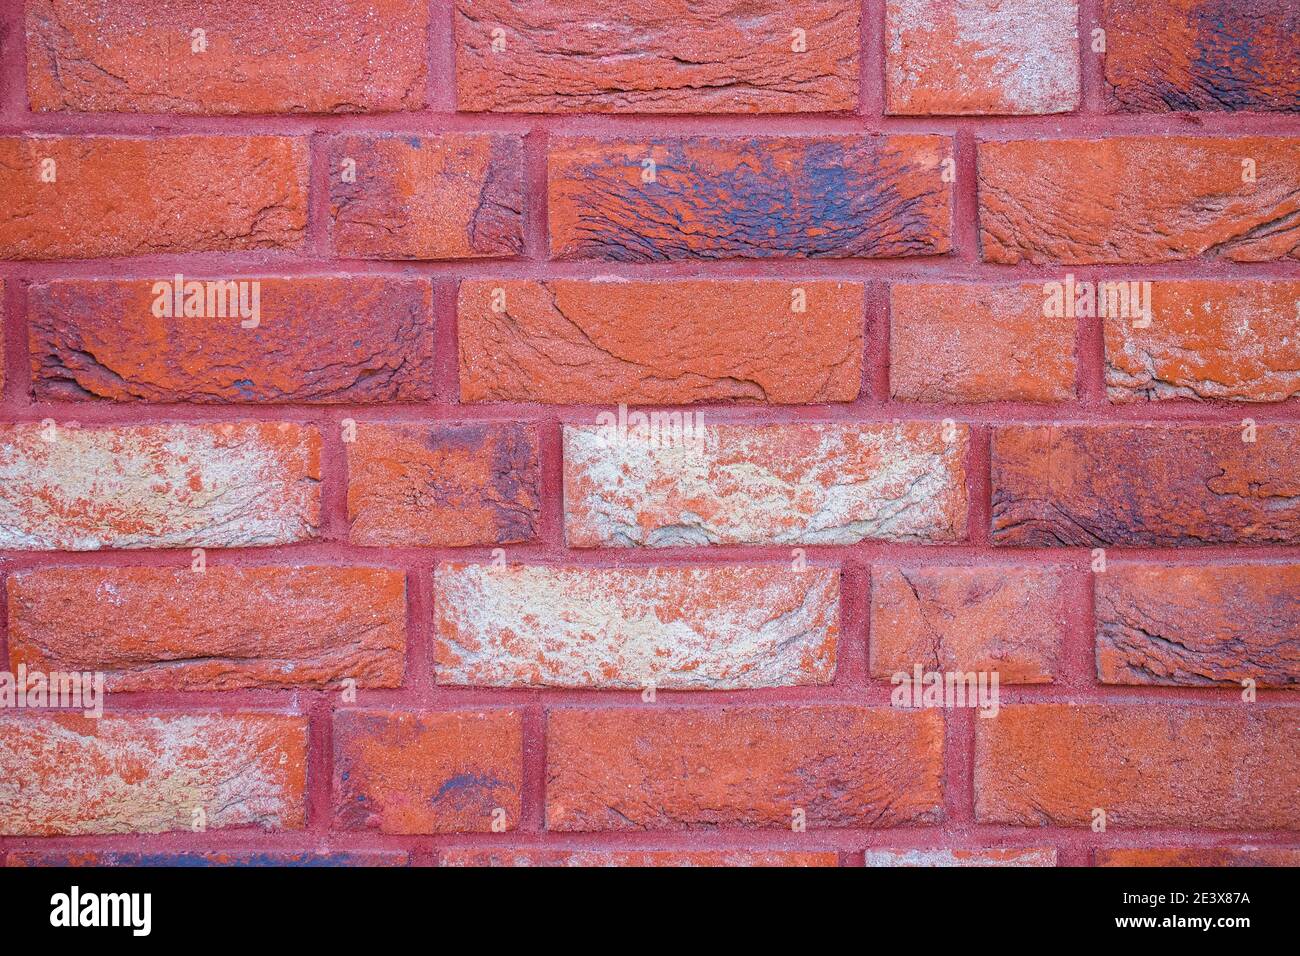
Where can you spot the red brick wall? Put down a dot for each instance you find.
(837, 255)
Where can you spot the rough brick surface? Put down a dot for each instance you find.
(164, 628)
(981, 56)
(129, 196)
(1220, 767)
(258, 858)
(1201, 55)
(320, 56)
(957, 858)
(1094, 200)
(674, 342)
(158, 486)
(314, 339)
(777, 484)
(720, 56)
(640, 858)
(452, 196)
(150, 773)
(427, 772)
(442, 484)
(1200, 856)
(1237, 341)
(712, 627)
(1007, 619)
(1163, 485)
(758, 197)
(681, 768)
(1196, 625)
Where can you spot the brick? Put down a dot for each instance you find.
(689, 628)
(123, 196)
(443, 485)
(1155, 485)
(150, 628)
(427, 772)
(764, 484)
(149, 773)
(1198, 625)
(570, 56)
(637, 858)
(1201, 55)
(1225, 767)
(137, 56)
(318, 339)
(450, 196)
(240, 858)
(671, 342)
(242, 484)
(1078, 201)
(961, 57)
(667, 768)
(752, 197)
(1235, 341)
(1200, 856)
(952, 342)
(1008, 619)
(1040, 856)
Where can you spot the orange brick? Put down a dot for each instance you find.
(637, 858)
(1200, 856)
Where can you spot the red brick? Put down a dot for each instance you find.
(662, 768)
(749, 197)
(1040, 856)
(122, 196)
(703, 628)
(189, 858)
(1201, 55)
(320, 56)
(765, 484)
(570, 56)
(443, 485)
(240, 484)
(1200, 856)
(1068, 201)
(150, 773)
(981, 56)
(951, 342)
(637, 858)
(150, 628)
(1224, 340)
(1199, 624)
(673, 342)
(403, 772)
(320, 339)
(450, 196)
(1159, 485)
(1230, 767)
(1008, 619)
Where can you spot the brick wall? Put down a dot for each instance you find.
(831, 229)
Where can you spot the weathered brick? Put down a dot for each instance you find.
(320, 56)
(450, 196)
(148, 628)
(981, 56)
(352, 339)
(1200, 856)
(237, 484)
(1067, 201)
(751, 197)
(952, 342)
(1039, 856)
(256, 858)
(1199, 624)
(1223, 767)
(686, 768)
(676, 342)
(427, 772)
(765, 484)
(123, 196)
(1201, 55)
(150, 773)
(1238, 341)
(995, 618)
(714, 627)
(1161, 485)
(637, 858)
(426, 485)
